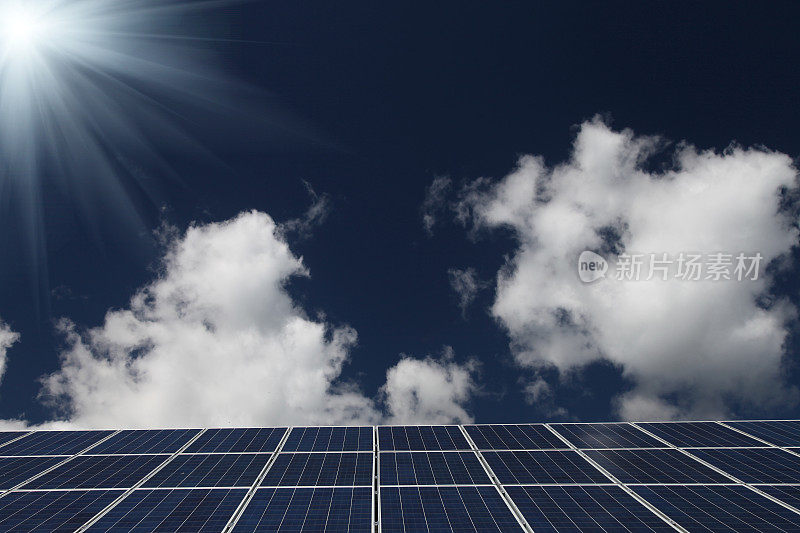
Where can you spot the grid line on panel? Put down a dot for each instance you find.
(60, 463)
(497, 485)
(618, 483)
(141, 482)
(376, 482)
(237, 514)
(735, 479)
(15, 439)
(696, 434)
(784, 448)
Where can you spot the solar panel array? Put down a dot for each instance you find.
(660, 476)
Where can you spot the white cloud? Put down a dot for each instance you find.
(7, 339)
(434, 202)
(429, 391)
(466, 284)
(691, 348)
(216, 340)
(314, 216)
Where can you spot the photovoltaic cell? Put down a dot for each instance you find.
(308, 509)
(59, 511)
(6, 436)
(432, 468)
(779, 433)
(137, 441)
(421, 438)
(606, 436)
(237, 440)
(786, 493)
(53, 443)
(329, 439)
(178, 510)
(98, 471)
(719, 508)
(584, 508)
(543, 467)
(320, 469)
(215, 470)
(688, 434)
(15, 470)
(754, 465)
(514, 437)
(462, 509)
(655, 466)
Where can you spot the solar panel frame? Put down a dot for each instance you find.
(581, 508)
(655, 466)
(320, 469)
(98, 472)
(329, 439)
(612, 435)
(754, 465)
(421, 438)
(789, 494)
(238, 440)
(776, 432)
(542, 466)
(8, 436)
(699, 434)
(432, 468)
(144, 441)
(54, 511)
(53, 443)
(210, 470)
(514, 437)
(178, 510)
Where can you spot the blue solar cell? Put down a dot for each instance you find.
(606, 436)
(177, 510)
(215, 470)
(432, 468)
(53, 443)
(308, 509)
(421, 438)
(779, 433)
(98, 471)
(405, 509)
(584, 508)
(543, 467)
(59, 511)
(15, 470)
(237, 440)
(655, 466)
(688, 434)
(6, 436)
(514, 437)
(136, 441)
(329, 439)
(754, 465)
(320, 469)
(786, 493)
(719, 508)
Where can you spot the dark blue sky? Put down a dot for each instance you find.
(368, 102)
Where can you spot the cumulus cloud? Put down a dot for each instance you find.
(429, 391)
(7, 339)
(217, 340)
(466, 284)
(691, 348)
(434, 203)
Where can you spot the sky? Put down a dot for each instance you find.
(255, 213)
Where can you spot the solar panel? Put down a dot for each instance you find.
(584, 508)
(54, 511)
(421, 438)
(720, 508)
(779, 433)
(405, 509)
(606, 436)
(215, 470)
(189, 510)
(755, 465)
(15, 470)
(6, 436)
(655, 466)
(98, 471)
(53, 443)
(308, 509)
(689, 434)
(786, 493)
(514, 437)
(432, 468)
(320, 469)
(237, 440)
(329, 439)
(536, 467)
(139, 441)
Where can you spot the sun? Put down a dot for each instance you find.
(22, 26)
